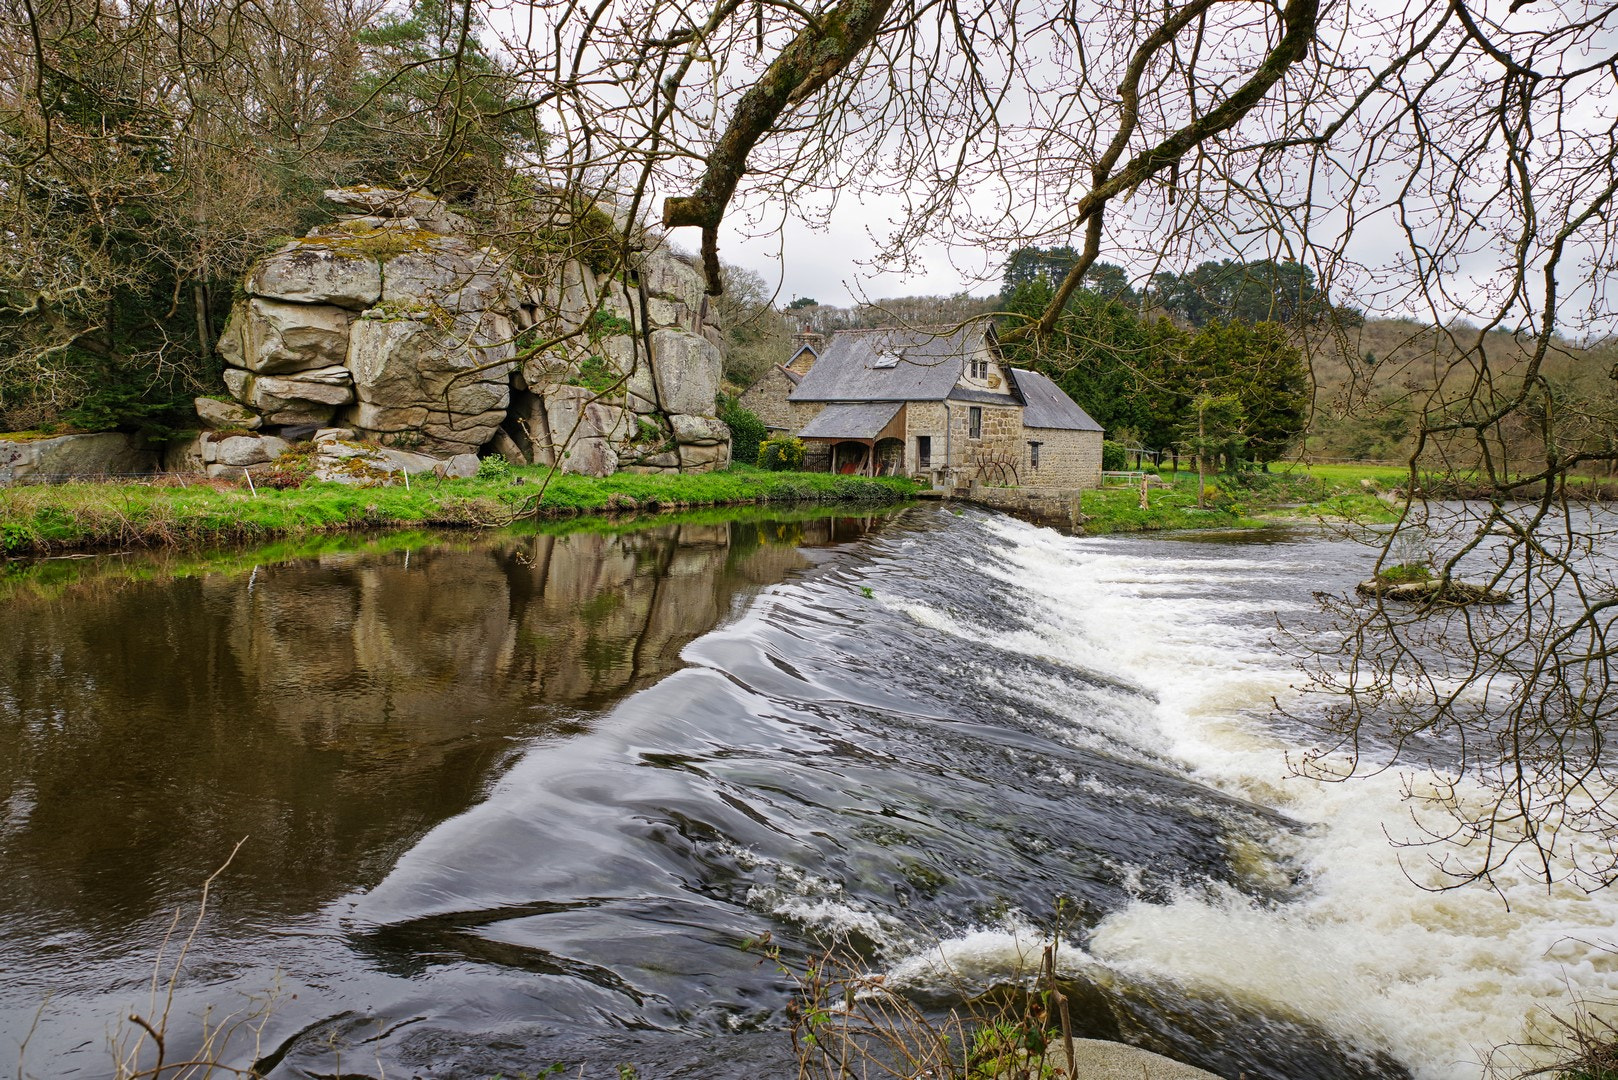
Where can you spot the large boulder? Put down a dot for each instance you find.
(106, 454)
(666, 274)
(318, 271)
(326, 386)
(390, 203)
(272, 336)
(309, 398)
(699, 430)
(704, 458)
(242, 450)
(687, 369)
(347, 462)
(449, 383)
(216, 414)
(185, 455)
(447, 274)
(584, 431)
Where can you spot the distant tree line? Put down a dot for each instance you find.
(1140, 375)
(1267, 290)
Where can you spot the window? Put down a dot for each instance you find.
(974, 423)
(924, 451)
(1033, 454)
(980, 369)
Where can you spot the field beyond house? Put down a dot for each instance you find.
(1292, 492)
(41, 520)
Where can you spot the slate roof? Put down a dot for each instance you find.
(894, 365)
(855, 365)
(982, 397)
(857, 421)
(1047, 406)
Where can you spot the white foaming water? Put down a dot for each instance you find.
(1366, 953)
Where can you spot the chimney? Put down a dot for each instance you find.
(806, 346)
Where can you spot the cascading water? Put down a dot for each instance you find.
(1362, 947)
(928, 741)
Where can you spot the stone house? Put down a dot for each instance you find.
(767, 399)
(936, 404)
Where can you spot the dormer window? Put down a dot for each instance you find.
(980, 369)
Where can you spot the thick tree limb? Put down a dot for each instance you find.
(1299, 19)
(819, 52)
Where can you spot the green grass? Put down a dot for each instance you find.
(1333, 492)
(1383, 477)
(1113, 510)
(41, 520)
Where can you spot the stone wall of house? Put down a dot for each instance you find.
(767, 399)
(925, 418)
(1067, 459)
(396, 325)
(999, 455)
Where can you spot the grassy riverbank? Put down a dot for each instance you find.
(66, 517)
(1292, 493)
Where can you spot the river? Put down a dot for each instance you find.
(513, 800)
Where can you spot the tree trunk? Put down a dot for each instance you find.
(199, 299)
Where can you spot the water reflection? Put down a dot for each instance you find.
(329, 709)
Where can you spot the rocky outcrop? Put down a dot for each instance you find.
(339, 458)
(334, 454)
(397, 322)
(106, 454)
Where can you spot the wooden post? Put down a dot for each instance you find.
(1144, 480)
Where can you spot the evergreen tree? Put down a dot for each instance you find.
(1263, 291)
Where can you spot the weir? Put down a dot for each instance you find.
(1056, 507)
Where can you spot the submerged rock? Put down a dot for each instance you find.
(1436, 591)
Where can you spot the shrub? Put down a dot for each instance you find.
(493, 467)
(781, 453)
(292, 469)
(595, 376)
(1149, 469)
(1114, 457)
(747, 431)
(1405, 573)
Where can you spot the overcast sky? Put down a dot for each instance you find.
(834, 265)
